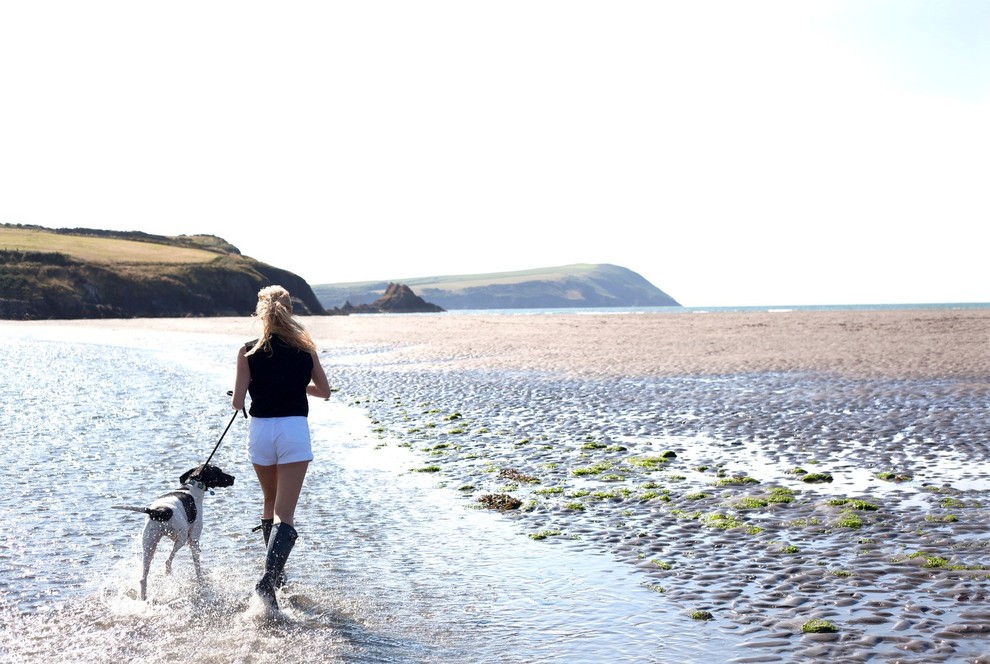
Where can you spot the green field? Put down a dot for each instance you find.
(99, 249)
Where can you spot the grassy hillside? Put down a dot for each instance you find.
(577, 285)
(87, 273)
(460, 282)
(99, 249)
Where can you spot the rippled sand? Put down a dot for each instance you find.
(571, 414)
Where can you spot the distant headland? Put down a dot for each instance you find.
(567, 286)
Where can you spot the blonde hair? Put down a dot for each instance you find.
(274, 309)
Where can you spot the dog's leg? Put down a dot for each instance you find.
(194, 549)
(152, 535)
(175, 549)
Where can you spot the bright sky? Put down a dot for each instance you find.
(766, 152)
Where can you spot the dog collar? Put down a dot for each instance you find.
(197, 484)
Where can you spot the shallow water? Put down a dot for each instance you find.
(388, 568)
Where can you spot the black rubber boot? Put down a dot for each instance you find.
(280, 544)
(266, 529)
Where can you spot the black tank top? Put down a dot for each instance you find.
(279, 376)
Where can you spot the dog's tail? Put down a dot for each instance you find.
(154, 513)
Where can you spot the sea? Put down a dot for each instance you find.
(726, 309)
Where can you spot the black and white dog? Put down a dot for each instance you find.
(179, 516)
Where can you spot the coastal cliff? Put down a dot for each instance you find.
(85, 273)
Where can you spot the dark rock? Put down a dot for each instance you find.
(398, 299)
(500, 501)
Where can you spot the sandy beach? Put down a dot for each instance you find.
(886, 343)
(776, 473)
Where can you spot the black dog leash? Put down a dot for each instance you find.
(217, 446)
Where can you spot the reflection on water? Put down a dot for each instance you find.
(388, 568)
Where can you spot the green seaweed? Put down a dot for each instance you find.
(595, 469)
(593, 446)
(543, 534)
(854, 504)
(817, 478)
(736, 480)
(780, 495)
(621, 492)
(721, 521)
(848, 519)
(649, 462)
(888, 476)
(948, 518)
(750, 502)
(818, 626)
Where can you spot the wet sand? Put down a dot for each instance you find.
(891, 344)
(682, 444)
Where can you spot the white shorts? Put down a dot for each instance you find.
(275, 440)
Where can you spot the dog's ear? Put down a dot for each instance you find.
(189, 473)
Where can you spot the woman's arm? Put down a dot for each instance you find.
(320, 387)
(241, 380)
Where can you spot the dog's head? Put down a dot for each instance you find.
(210, 475)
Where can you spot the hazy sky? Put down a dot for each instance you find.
(733, 153)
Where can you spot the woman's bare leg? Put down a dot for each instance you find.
(268, 479)
(289, 481)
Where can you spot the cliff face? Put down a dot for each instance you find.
(55, 285)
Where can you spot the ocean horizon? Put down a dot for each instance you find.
(783, 308)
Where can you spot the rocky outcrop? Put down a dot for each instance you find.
(398, 299)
